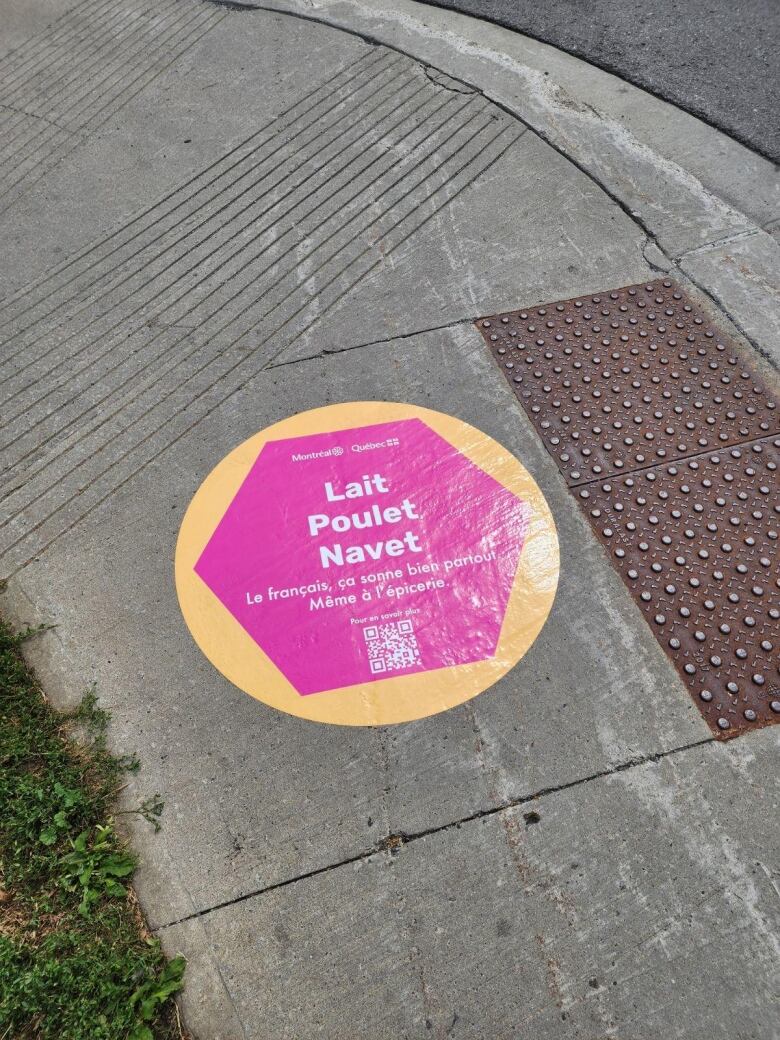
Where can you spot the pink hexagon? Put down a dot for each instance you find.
(411, 575)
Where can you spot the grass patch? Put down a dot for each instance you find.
(76, 961)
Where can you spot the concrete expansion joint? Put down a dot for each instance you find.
(392, 843)
(660, 262)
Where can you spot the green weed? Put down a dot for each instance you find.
(76, 962)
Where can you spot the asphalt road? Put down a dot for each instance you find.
(717, 59)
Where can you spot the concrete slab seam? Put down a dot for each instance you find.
(393, 842)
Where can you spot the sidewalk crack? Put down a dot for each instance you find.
(430, 73)
(331, 351)
(393, 843)
(725, 241)
(234, 5)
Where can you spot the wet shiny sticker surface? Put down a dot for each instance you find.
(366, 563)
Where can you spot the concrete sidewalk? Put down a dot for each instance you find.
(228, 216)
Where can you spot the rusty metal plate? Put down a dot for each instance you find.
(628, 378)
(696, 542)
(670, 444)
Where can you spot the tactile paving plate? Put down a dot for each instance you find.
(628, 378)
(669, 442)
(696, 544)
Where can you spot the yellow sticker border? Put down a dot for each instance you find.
(382, 702)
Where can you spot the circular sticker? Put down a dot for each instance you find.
(366, 563)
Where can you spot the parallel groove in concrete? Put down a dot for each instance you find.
(136, 228)
(91, 362)
(59, 33)
(97, 45)
(87, 407)
(147, 257)
(210, 407)
(628, 388)
(57, 83)
(68, 81)
(285, 299)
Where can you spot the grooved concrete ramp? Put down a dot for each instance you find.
(249, 236)
(64, 82)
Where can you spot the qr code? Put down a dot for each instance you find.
(392, 646)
